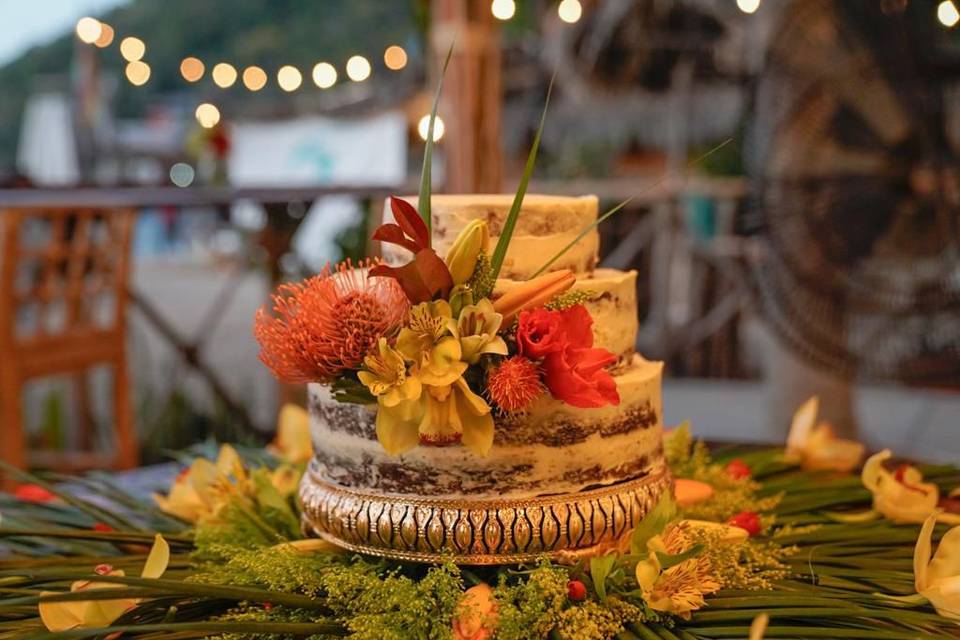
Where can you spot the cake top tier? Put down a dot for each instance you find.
(546, 224)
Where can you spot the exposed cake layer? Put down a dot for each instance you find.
(545, 226)
(557, 448)
(612, 303)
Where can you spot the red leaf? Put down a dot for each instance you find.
(392, 234)
(410, 221)
(420, 278)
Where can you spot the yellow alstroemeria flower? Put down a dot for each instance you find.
(902, 497)
(385, 375)
(462, 257)
(194, 494)
(427, 341)
(679, 589)
(93, 614)
(816, 447)
(293, 442)
(938, 579)
(454, 412)
(477, 329)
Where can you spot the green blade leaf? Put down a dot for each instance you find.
(426, 176)
(500, 251)
(668, 560)
(653, 523)
(600, 568)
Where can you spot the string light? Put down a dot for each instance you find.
(358, 68)
(503, 9)
(106, 36)
(424, 125)
(748, 6)
(88, 29)
(947, 13)
(324, 75)
(132, 49)
(191, 69)
(570, 11)
(289, 78)
(224, 75)
(254, 78)
(207, 115)
(138, 72)
(395, 57)
(182, 174)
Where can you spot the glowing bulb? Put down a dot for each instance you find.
(570, 11)
(207, 115)
(424, 125)
(191, 69)
(324, 75)
(254, 78)
(947, 13)
(224, 75)
(132, 49)
(89, 29)
(138, 72)
(395, 57)
(289, 78)
(106, 36)
(182, 174)
(748, 6)
(503, 9)
(358, 68)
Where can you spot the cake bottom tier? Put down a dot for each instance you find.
(473, 530)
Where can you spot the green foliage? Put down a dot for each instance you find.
(532, 607)
(653, 523)
(600, 567)
(482, 280)
(348, 388)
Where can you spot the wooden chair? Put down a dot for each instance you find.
(63, 293)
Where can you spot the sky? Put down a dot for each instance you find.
(34, 22)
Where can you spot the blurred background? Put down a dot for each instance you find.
(164, 164)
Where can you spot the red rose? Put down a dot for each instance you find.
(749, 521)
(578, 377)
(541, 332)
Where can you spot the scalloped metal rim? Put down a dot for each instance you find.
(476, 531)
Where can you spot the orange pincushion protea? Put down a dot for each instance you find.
(327, 324)
(515, 384)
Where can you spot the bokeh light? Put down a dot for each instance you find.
(106, 36)
(395, 57)
(358, 68)
(224, 75)
(748, 6)
(191, 69)
(138, 72)
(289, 78)
(182, 174)
(89, 29)
(570, 10)
(207, 115)
(254, 78)
(324, 75)
(503, 9)
(947, 13)
(132, 49)
(423, 127)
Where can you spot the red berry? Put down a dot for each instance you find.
(738, 469)
(103, 528)
(102, 569)
(267, 606)
(576, 591)
(33, 493)
(747, 520)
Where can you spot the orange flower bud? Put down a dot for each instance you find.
(533, 293)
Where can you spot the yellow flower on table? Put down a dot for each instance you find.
(477, 329)
(428, 342)
(197, 493)
(938, 579)
(293, 443)
(816, 447)
(901, 497)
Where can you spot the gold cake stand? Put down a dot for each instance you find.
(476, 531)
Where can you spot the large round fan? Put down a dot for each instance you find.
(856, 182)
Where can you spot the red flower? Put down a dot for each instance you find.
(738, 469)
(541, 332)
(576, 591)
(33, 493)
(747, 520)
(102, 528)
(515, 384)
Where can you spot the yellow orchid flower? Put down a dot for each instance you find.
(293, 442)
(386, 376)
(427, 341)
(902, 497)
(93, 614)
(938, 579)
(477, 329)
(398, 426)
(462, 257)
(678, 589)
(816, 447)
(454, 412)
(194, 494)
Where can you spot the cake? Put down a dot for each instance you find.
(557, 478)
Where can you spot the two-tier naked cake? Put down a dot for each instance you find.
(558, 478)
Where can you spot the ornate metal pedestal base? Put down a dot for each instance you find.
(476, 531)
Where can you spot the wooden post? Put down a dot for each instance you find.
(472, 94)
